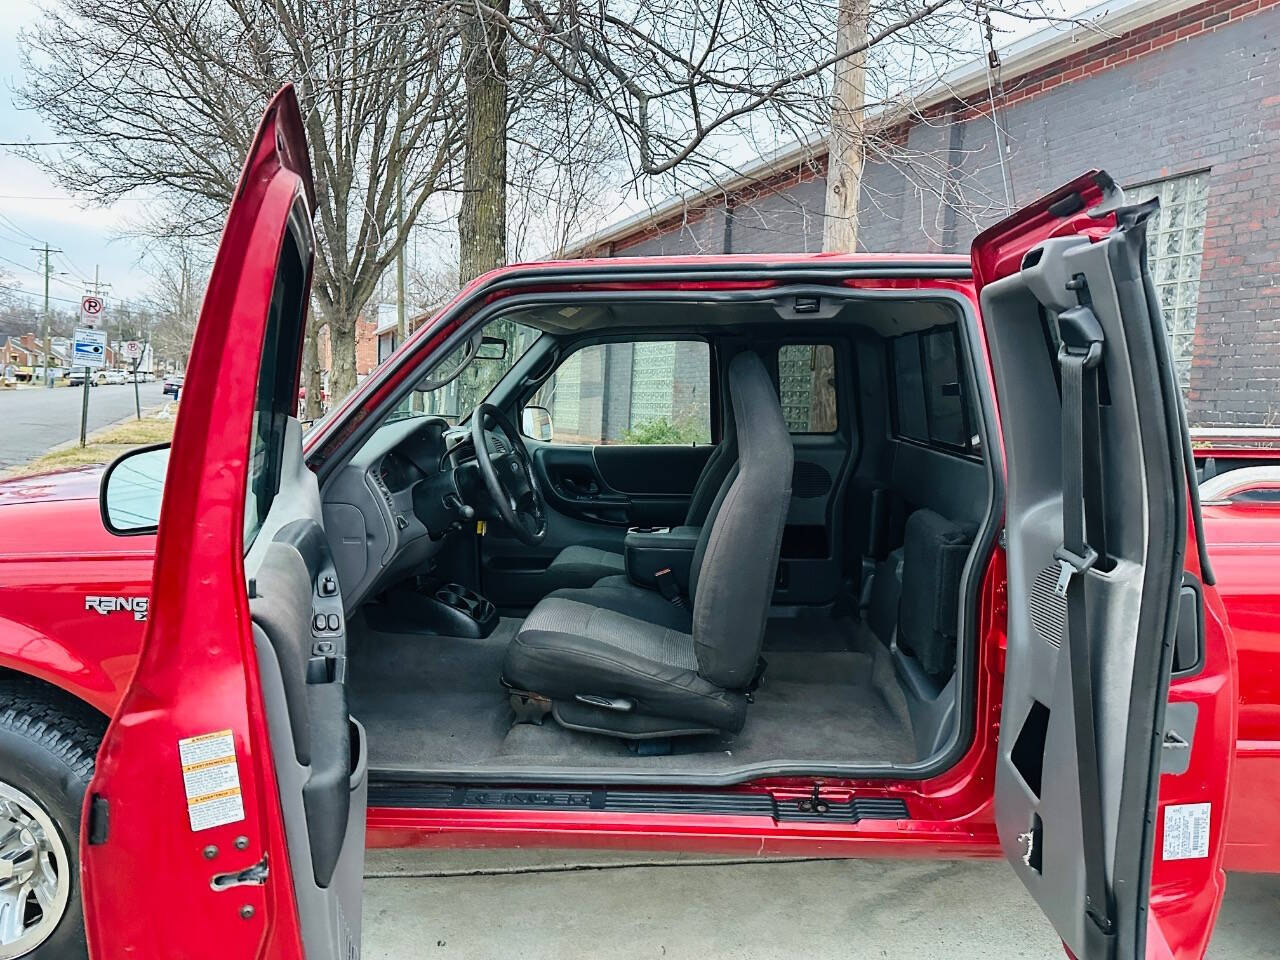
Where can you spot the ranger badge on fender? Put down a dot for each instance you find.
(104, 605)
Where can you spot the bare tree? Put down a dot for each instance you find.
(693, 88)
(163, 95)
(179, 269)
(563, 165)
(482, 218)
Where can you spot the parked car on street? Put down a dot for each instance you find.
(172, 384)
(75, 378)
(916, 567)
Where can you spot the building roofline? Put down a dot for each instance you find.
(1105, 20)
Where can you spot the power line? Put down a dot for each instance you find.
(36, 294)
(40, 273)
(29, 236)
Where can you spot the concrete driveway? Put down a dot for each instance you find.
(532, 904)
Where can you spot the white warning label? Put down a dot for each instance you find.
(1186, 831)
(212, 779)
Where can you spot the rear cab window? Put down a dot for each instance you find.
(807, 387)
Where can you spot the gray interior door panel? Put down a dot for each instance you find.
(319, 749)
(1128, 593)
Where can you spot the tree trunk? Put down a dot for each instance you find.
(844, 148)
(482, 218)
(311, 407)
(342, 355)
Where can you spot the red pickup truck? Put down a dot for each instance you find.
(928, 566)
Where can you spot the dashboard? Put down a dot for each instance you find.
(396, 503)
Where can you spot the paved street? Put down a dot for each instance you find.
(34, 420)
(535, 904)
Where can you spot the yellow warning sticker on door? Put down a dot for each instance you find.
(212, 779)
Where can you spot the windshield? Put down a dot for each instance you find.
(504, 343)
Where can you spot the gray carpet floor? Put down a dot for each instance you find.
(433, 703)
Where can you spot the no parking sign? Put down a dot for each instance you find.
(91, 310)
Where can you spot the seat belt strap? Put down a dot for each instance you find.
(1078, 359)
(665, 581)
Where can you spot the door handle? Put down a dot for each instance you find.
(588, 490)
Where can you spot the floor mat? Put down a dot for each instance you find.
(435, 702)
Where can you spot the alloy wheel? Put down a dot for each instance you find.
(35, 874)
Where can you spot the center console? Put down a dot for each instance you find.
(427, 606)
(650, 550)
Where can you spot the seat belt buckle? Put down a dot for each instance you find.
(666, 583)
(1069, 564)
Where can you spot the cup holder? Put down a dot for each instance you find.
(467, 601)
(648, 529)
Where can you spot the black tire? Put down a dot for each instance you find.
(48, 744)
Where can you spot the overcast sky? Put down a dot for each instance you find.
(33, 210)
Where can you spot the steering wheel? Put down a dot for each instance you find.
(509, 477)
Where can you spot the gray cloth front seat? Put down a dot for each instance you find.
(581, 566)
(621, 660)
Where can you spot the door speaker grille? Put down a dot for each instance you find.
(809, 480)
(1048, 610)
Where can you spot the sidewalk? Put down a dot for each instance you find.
(536, 904)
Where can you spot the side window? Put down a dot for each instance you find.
(807, 387)
(636, 392)
(908, 383)
(277, 376)
(942, 389)
(930, 398)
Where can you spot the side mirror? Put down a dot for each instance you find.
(131, 490)
(491, 348)
(536, 423)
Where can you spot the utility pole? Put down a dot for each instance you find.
(48, 336)
(845, 150)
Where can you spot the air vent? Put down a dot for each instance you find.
(1048, 610)
(498, 444)
(809, 480)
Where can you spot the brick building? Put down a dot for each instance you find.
(1175, 98)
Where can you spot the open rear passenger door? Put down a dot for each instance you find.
(1118, 719)
(226, 815)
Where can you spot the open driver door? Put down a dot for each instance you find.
(1118, 719)
(226, 815)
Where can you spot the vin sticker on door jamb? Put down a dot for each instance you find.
(211, 779)
(1186, 831)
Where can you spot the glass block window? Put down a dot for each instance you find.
(807, 387)
(565, 394)
(643, 392)
(1175, 241)
(653, 367)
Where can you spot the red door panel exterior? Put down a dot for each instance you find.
(148, 875)
(1244, 546)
